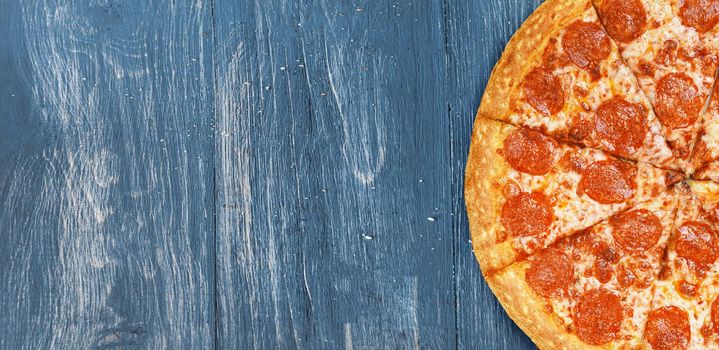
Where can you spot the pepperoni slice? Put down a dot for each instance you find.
(622, 125)
(544, 91)
(697, 242)
(625, 20)
(668, 328)
(529, 151)
(608, 181)
(603, 270)
(550, 273)
(527, 214)
(598, 316)
(636, 231)
(678, 101)
(702, 15)
(625, 276)
(586, 43)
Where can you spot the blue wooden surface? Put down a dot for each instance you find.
(243, 174)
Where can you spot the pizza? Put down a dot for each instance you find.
(686, 290)
(671, 46)
(592, 182)
(705, 158)
(535, 190)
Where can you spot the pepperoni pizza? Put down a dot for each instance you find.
(590, 181)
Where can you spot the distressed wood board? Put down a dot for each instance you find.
(200, 174)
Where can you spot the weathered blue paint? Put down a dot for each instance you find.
(477, 32)
(243, 174)
(106, 183)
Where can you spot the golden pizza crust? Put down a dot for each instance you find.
(530, 311)
(483, 199)
(483, 194)
(526, 45)
(486, 169)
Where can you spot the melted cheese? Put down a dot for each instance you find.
(572, 211)
(616, 79)
(634, 297)
(666, 25)
(705, 195)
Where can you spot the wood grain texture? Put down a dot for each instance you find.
(197, 174)
(106, 191)
(477, 33)
(333, 204)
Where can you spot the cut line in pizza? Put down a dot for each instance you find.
(592, 183)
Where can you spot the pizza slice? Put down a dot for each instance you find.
(593, 288)
(705, 158)
(524, 190)
(685, 310)
(562, 75)
(672, 46)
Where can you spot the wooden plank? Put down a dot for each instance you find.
(339, 174)
(334, 207)
(477, 34)
(106, 176)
